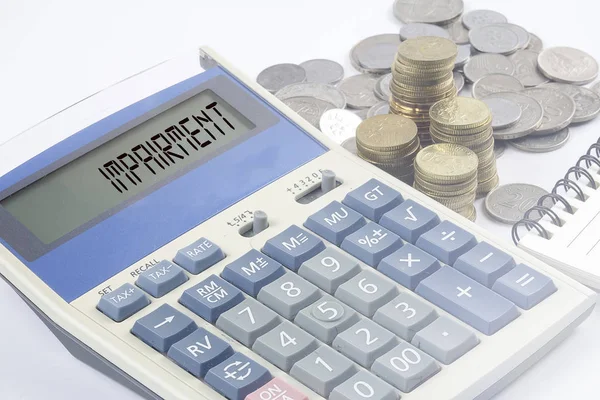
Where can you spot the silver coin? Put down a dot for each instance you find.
(526, 68)
(486, 64)
(382, 87)
(478, 18)
(521, 32)
(458, 33)
(359, 90)
(323, 71)
(319, 91)
(568, 65)
(309, 108)
(535, 43)
(439, 12)
(505, 113)
(278, 76)
(496, 38)
(416, 29)
(532, 114)
(559, 109)
(339, 125)
(587, 102)
(596, 87)
(499, 148)
(542, 144)
(375, 54)
(509, 203)
(381, 108)
(363, 113)
(495, 83)
(463, 56)
(350, 145)
(459, 81)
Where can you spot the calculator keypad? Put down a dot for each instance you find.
(371, 243)
(161, 279)
(335, 222)
(524, 286)
(199, 256)
(163, 327)
(123, 302)
(373, 199)
(485, 264)
(211, 298)
(252, 271)
(293, 246)
(237, 377)
(329, 269)
(247, 321)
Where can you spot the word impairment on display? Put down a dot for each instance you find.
(164, 149)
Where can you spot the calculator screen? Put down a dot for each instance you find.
(121, 168)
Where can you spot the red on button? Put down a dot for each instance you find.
(277, 389)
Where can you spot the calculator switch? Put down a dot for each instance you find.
(211, 297)
(161, 278)
(409, 220)
(260, 222)
(199, 352)
(363, 386)
(277, 389)
(485, 264)
(252, 271)
(329, 269)
(328, 181)
(447, 242)
(371, 243)
(373, 199)
(199, 256)
(525, 286)
(237, 377)
(123, 302)
(293, 246)
(408, 266)
(335, 222)
(247, 321)
(163, 327)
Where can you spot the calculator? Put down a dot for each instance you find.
(186, 233)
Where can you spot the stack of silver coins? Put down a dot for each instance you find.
(468, 122)
(448, 174)
(389, 142)
(421, 76)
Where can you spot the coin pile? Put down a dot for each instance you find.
(389, 142)
(448, 174)
(468, 122)
(422, 76)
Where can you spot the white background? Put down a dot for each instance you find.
(53, 53)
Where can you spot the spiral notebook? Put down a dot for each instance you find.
(564, 227)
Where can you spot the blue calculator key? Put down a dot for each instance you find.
(469, 301)
(237, 377)
(446, 242)
(408, 266)
(252, 271)
(485, 264)
(371, 244)
(211, 297)
(409, 220)
(335, 222)
(293, 246)
(199, 352)
(199, 256)
(123, 302)
(163, 327)
(524, 286)
(373, 199)
(161, 279)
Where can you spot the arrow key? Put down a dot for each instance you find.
(237, 377)
(163, 327)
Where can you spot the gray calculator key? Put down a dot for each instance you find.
(446, 242)
(371, 243)
(252, 271)
(485, 264)
(163, 327)
(405, 367)
(405, 316)
(329, 269)
(335, 222)
(326, 318)
(199, 256)
(364, 342)
(409, 220)
(288, 295)
(123, 302)
(364, 385)
(525, 286)
(161, 278)
(373, 199)
(247, 321)
(469, 301)
(323, 370)
(408, 266)
(285, 345)
(366, 292)
(293, 246)
(445, 340)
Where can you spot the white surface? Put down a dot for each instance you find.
(54, 53)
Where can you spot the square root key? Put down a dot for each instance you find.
(373, 199)
(409, 220)
(293, 246)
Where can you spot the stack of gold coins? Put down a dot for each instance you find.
(468, 122)
(421, 76)
(389, 142)
(448, 174)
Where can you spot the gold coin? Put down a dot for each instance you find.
(428, 50)
(455, 188)
(487, 186)
(386, 132)
(460, 113)
(446, 163)
(468, 212)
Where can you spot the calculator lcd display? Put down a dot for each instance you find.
(180, 137)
